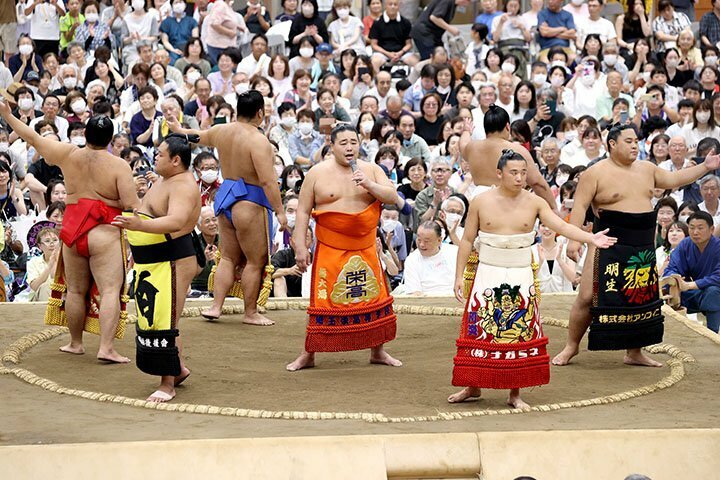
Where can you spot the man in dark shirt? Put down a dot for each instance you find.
(287, 278)
(435, 20)
(390, 37)
(39, 174)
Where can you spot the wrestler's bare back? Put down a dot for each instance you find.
(505, 215)
(612, 186)
(483, 156)
(236, 143)
(99, 175)
(157, 200)
(334, 189)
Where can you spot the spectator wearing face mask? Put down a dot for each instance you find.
(209, 238)
(207, 171)
(281, 240)
(452, 214)
(393, 231)
(305, 141)
(307, 24)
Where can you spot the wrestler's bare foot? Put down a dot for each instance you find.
(162, 394)
(384, 358)
(564, 357)
(305, 360)
(112, 356)
(257, 319)
(184, 374)
(74, 349)
(515, 401)
(211, 313)
(637, 358)
(465, 394)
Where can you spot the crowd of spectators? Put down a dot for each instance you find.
(564, 73)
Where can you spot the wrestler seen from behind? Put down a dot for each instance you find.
(501, 342)
(618, 297)
(166, 261)
(350, 307)
(99, 186)
(481, 155)
(247, 195)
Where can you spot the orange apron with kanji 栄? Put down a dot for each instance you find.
(350, 305)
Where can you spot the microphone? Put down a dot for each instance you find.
(353, 165)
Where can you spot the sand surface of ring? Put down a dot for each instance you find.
(236, 365)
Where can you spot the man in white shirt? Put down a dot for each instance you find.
(383, 88)
(487, 95)
(709, 189)
(595, 24)
(430, 270)
(506, 89)
(51, 108)
(257, 61)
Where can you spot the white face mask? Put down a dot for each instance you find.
(193, 77)
(577, 3)
(209, 176)
(291, 182)
(702, 117)
(367, 126)
(683, 218)
(4, 146)
(26, 104)
(343, 13)
(452, 219)
(70, 82)
(288, 122)
(610, 60)
(306, 52)
(305, 128)
(711, 61)
(290, 219)
(508, 67)
(78, 106)
(539, 79)
(91, 17)
(178, 8)
(138, 5)
(79, 141)
(571, 135)
(672, 62)
(560, 180)
(308, 10)
(241, 88)
(476, 85)
(646, 77)
(25, 49)
(557, 81)
(388, 163)
(389, 225)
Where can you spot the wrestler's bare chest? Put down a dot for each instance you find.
(155, 202)
(624, 189)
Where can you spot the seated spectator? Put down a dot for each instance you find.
(26, 60)
(55, 213)
(12, 202)
(41, 269)
(667, 25)
(281, 240)
(429, 270)
(709, 190)
(328, 109)
(429, 123)
(413, 145)
(289, 11)
(557, 272)
(92, 33)
(307, 23)
(676, 233)
(697, 263)
(345, 32)
(176, 30)
(389, 37)
(453, 212)
(556, 28)
(288, 280)
(51, 109)
(305, 141)
(209, 240)
(207, 171)
(142, 123)
(258, 61)
(427, 202)
(256, 16)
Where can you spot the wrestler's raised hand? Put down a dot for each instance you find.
(601, 240)
(712, 161)
(458, 290)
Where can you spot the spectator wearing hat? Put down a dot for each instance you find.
(41, 269)
(324, 64)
